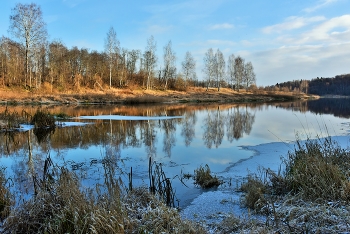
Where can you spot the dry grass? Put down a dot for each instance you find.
(134, 95)
(312, 196)
(61, 205)
(5, 196)
(203, 177)
(254, 190)
(319, 169)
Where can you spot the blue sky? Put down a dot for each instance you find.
(284, 39)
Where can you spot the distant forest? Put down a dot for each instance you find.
(338, 85)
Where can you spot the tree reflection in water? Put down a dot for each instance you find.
(239, 121)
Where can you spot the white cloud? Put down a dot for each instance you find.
(320, 4)
(221, 26)
(300, 62)
(330, 31)
(291, 23)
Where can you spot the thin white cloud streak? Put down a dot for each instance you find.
(221, 26)
(329, 31)
(321, 4)
(292, 23)
(334, 30)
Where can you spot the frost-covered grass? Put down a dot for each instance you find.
(204, 178)
(312, 194)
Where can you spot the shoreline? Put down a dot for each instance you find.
(128, 96)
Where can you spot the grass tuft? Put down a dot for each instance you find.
(254, 190)
(319, 169)
(203, 177)
(42, 119)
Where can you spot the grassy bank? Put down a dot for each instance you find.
(128, 96)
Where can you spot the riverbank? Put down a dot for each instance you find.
(129, 96)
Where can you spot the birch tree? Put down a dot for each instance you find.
(27, 25)
(249, 75)
(219, 68)
(112, 47)
(169, 64)
(238, 72)
(231, 70)
(209, 66)
(189, 67)
(150, 60)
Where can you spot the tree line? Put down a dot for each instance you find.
(338, 85)
(28, 60)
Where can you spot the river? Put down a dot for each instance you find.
(180, 137)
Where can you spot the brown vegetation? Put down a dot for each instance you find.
(203, 177)
(128, 96)
(60, 205)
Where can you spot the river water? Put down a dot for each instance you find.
(180, 137)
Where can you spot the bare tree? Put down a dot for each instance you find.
(189, 67)
(169, 64)
(231, 70)
(219, 68)
(209, 66)
(249, 75)
(112, 47)
(132, 58)
(26, 24)
(239, 72)
(150, 59)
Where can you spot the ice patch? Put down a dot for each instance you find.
(212, 206)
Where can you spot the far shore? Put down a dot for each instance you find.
(129, 96)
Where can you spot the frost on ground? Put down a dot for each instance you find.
(212, 207)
